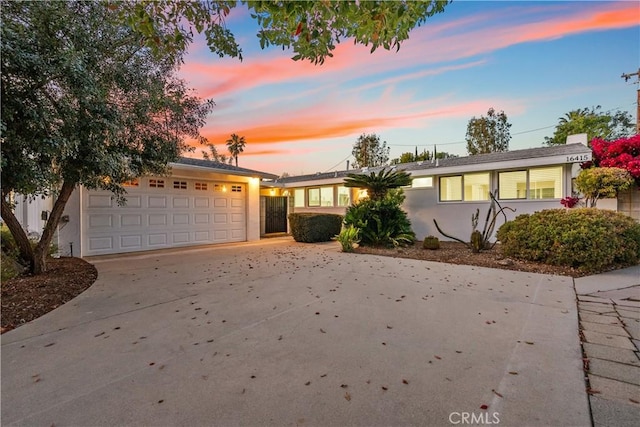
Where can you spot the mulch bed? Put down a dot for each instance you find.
(458, 253)
(27, 297)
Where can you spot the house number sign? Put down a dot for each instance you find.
(579, 158)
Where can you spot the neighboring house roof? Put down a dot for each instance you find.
(214, 166)
(569, 153)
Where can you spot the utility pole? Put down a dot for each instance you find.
(626, 78)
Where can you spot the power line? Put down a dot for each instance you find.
(517, 133)
(337, 164)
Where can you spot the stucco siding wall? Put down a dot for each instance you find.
(629, 203)
(69, 231)
(454, 218)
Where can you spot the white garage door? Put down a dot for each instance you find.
(162, 213)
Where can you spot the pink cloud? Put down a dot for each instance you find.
(429, 44)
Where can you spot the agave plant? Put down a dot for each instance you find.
(378, 184)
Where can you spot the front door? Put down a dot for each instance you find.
(275, 215)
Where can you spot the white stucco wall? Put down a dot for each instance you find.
(28, 211)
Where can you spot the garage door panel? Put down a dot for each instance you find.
(131, 241)
(220, 218)
(220, 202)
(156, 217)
(201, 218)
(133, 202)
(157, 201)
(100, 201)
(180, 202)
(101, 243)
(131, 220)
(100, 221)
(157, 239)
(181, 237)
(201, 202)
(181, 219)
(201, 236)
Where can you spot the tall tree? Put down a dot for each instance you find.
(83, 103)
(236, 144)
(312, 29)
(488, 134)
(595, 123)
(213, 155)
(368, 151)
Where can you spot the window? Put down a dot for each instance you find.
(131, 183)
(470, 187)
(156, 183)
(314, 196)
(541, 183)
(451, 188)
(344, 196)
(512, 185)
(201, 185)
(181, 185)
(545, 183)
(322, 196)
(423, 182)
(476, 186)
(326, 196)
(236, 188)
(298, 197)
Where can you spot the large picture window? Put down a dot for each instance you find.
(537, 183)
(545, 183)
(512, 185)
(476, 186)
(322, 196)
(470, 187)
(451, 188)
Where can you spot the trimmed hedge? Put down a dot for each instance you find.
(314, 227)
(589, 239)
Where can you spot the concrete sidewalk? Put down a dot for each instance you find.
(609, 311)
(280, 333)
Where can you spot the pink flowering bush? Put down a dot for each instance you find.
(623, 153)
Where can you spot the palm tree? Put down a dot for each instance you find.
(378, 185)
(236, 144)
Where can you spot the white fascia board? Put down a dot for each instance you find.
(314, 183)
(492, 166)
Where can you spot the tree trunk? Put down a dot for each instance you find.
(42, 248)
(18, 233)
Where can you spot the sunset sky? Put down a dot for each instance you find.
(534, 60)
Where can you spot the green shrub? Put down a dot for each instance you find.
(589, 239)
(348, 238)
(431, 242)
(314, 227)
(381, 222)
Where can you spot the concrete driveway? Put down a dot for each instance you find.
(281, 333)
